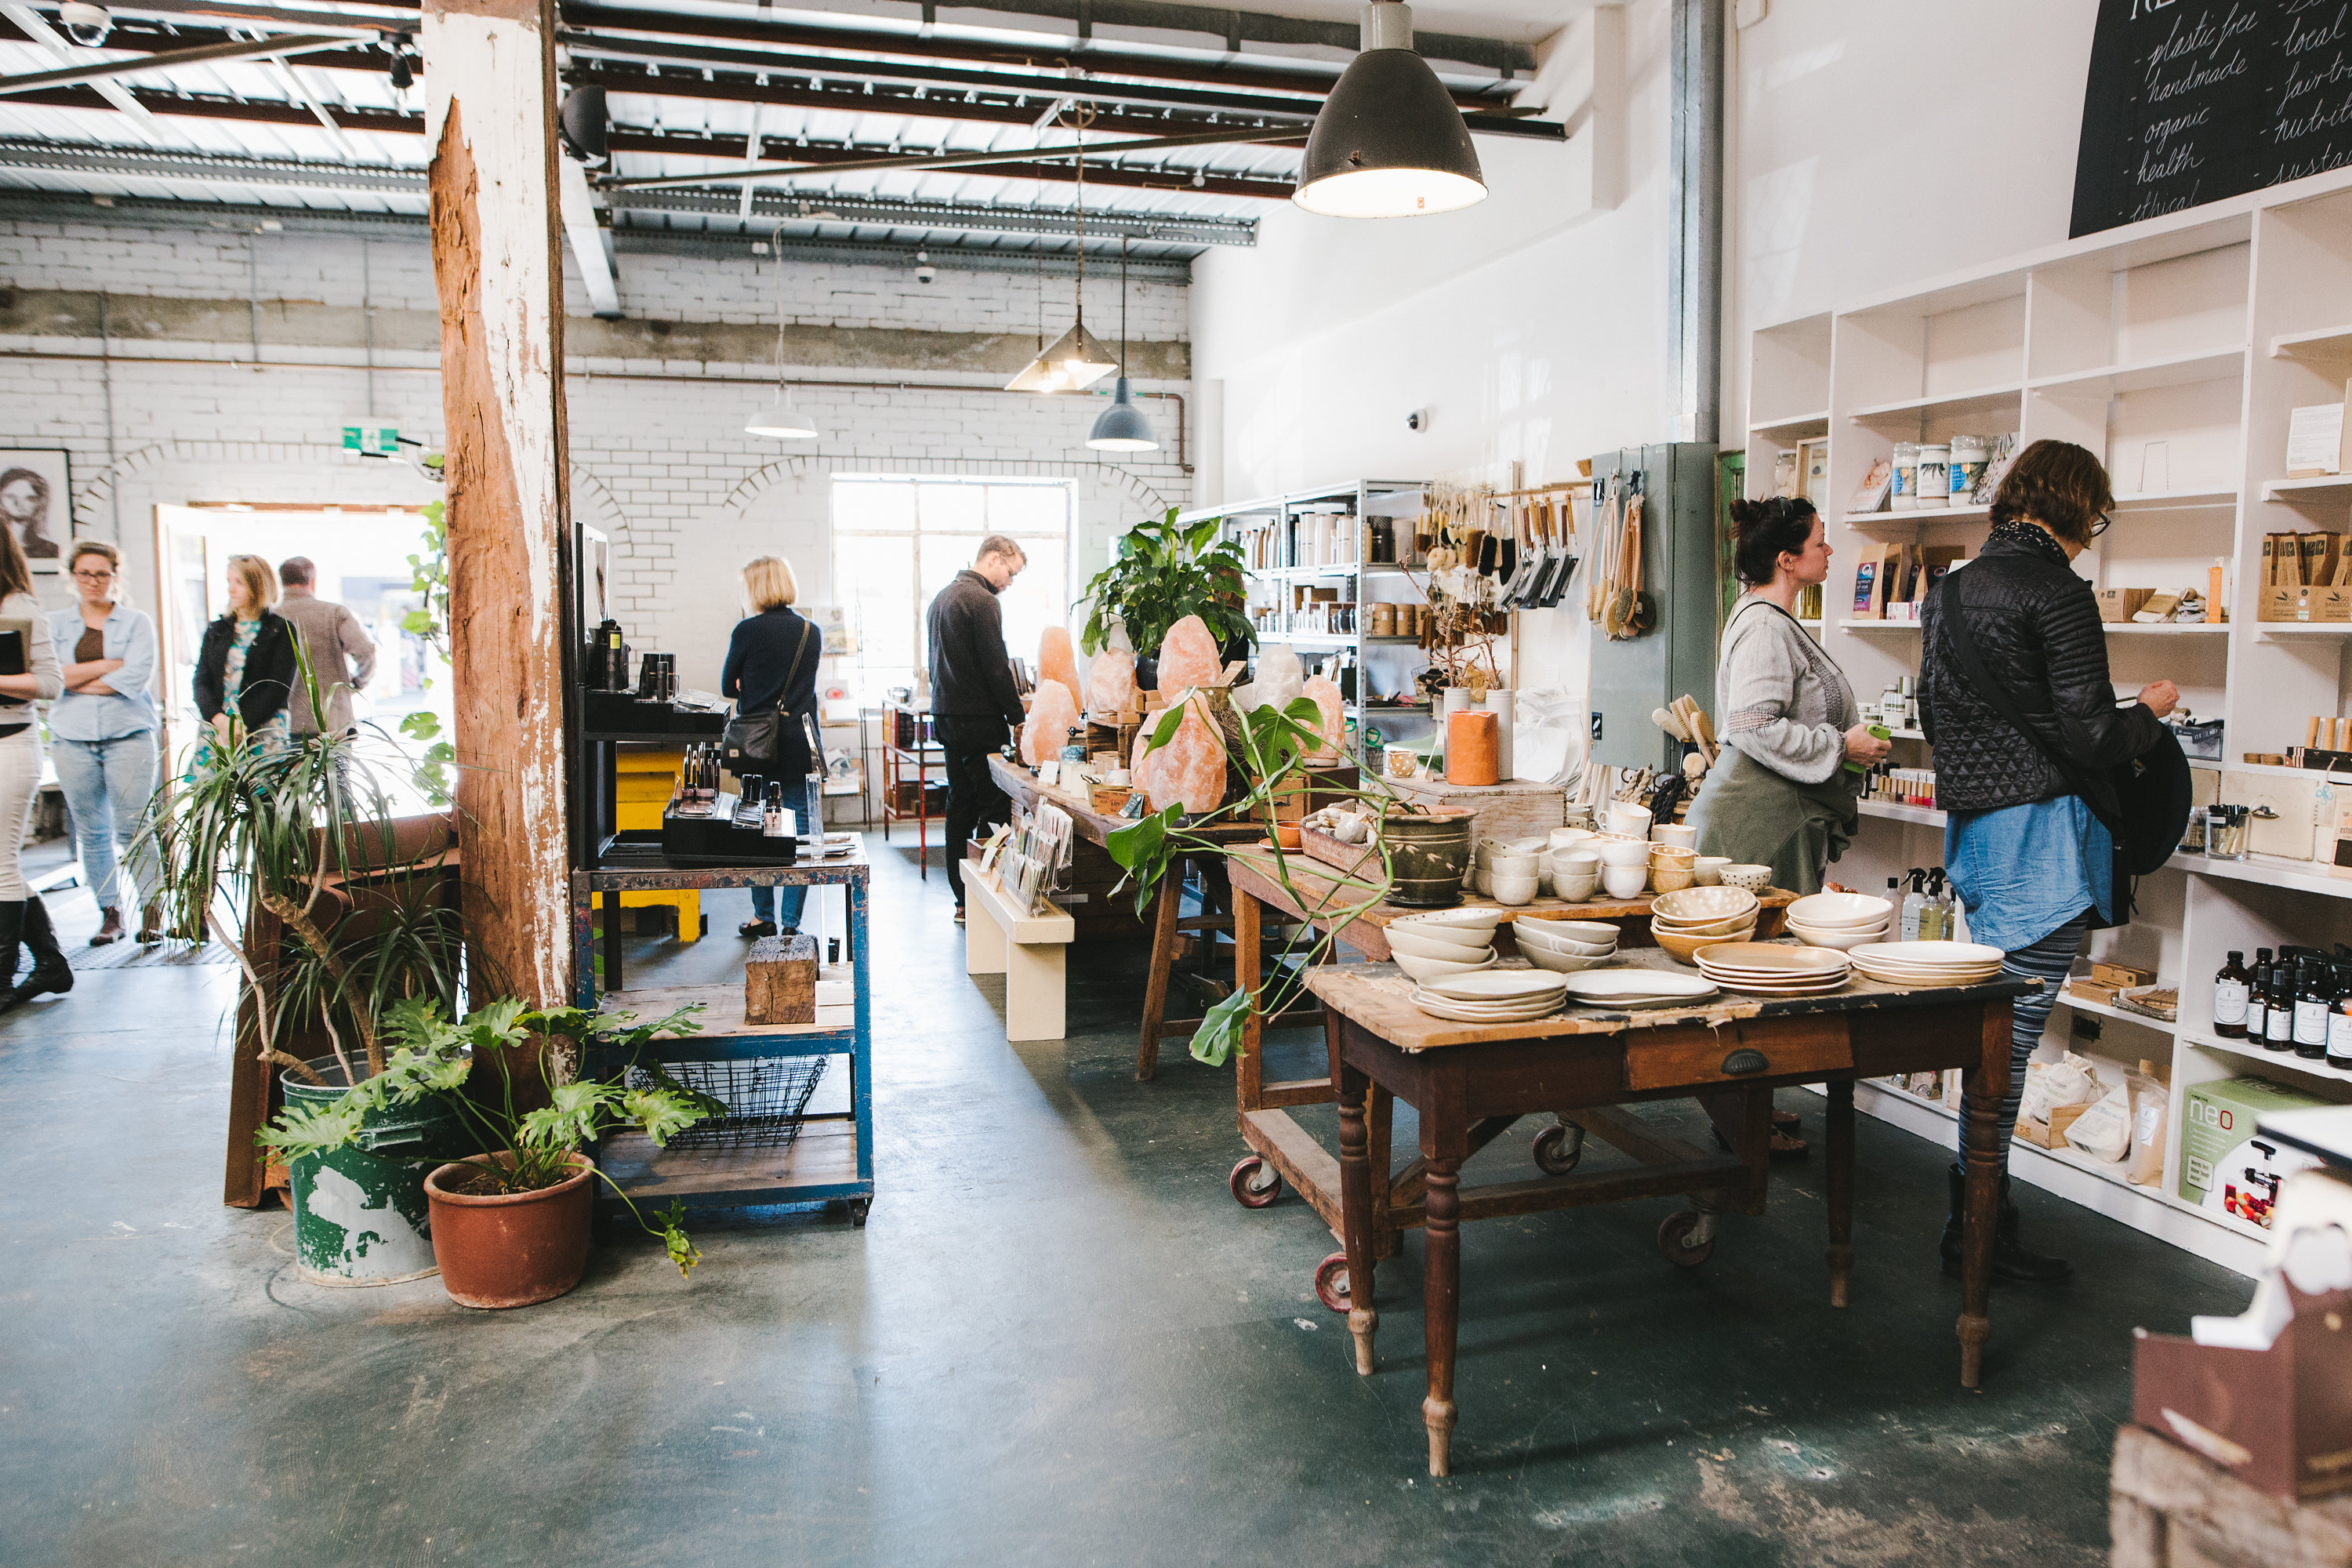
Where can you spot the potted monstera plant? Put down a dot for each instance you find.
(510, 1227)
(1162, 573)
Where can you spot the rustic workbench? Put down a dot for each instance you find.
(1470, 1082)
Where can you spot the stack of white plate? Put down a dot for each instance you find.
(1620, 989)
(1565, 946)
(1506, 996)
(1443, 942)
(1842, 921)
(1682, 922)
(1917, 963)
(1774, 969)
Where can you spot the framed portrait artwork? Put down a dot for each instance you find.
(36, 503)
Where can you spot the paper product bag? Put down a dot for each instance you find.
(2104, 1130)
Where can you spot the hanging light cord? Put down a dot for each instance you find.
(1074, 119)
(1122, 307)
(776, 252)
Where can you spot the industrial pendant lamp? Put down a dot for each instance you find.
(1077, 358)
(777, 420)
(1388, 142)
(1122, 427)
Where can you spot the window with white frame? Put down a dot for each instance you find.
(898, 540)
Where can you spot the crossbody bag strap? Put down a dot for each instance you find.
(1995, 692)
(784, 695)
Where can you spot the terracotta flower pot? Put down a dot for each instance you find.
(509, 1249)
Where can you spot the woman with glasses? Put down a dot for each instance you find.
(104, 727)
(2028, 855)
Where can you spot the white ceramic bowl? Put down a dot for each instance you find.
(1600, 932)
(1843, 941)
(1625, 852)
(1625, 881)
(1567, 837)
(1466, 947)
(1483, 920)
(1566, 962)
(1513, 891)
(1514, 864)
(1567, 949)
(1709, 870)
(1625, 817)
(1839, 912)
(1482, 882)
(1576, 889)
(1755, 878)
(1697, 906)
(1676, 834)
(1722, 927)
(1535, 845)
(1437, 968)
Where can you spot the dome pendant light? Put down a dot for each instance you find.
(1076, 360)
(1388, 142)
(1122, 427)
(779, 420)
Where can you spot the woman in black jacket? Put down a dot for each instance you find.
(247, 660)
(2029, 857)
(772, 664)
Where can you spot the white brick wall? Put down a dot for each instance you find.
(662, 465)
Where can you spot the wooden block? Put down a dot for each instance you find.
(2121, 976)
(780, 980)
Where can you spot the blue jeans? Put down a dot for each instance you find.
(107, 786)
(764, 902)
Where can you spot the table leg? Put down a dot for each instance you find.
(612, 940)
(1441, 1300)
(1841, 1187)
(1163, 955)
(1982, 1087)
(1249, 1076)
(1356, 1213)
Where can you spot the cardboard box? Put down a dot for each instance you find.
(2121, 604)
(2299, 604)
(2121, 976)
(2225, 1164)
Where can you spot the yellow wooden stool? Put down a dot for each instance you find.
(643, 785)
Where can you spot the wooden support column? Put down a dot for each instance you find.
(491, 103)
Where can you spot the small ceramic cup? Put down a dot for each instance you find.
(1623, 852)
(1627, 818)
(1513, 890)
(1669, 856)
(1568, 838)
(1708, 869)
(1576, 887)
(1483, 879)
(1667, 878)
(1514, 864)
(1625, 881)
(1755, 878)
(1119, 777)
(1676, 834)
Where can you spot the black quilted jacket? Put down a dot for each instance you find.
(2036, 627)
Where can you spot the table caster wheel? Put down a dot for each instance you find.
(857, 1207)
(1255, 1183)
(1687, 1239)
(1558, 1148)
(1331, 1287)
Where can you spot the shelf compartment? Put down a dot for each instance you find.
(1896, 811)
(2267, 631)
(2170, 629)
(1878, 625)
(818, 1166)
(1794, 427)
(2326, 487)
(2249, 1051)
(2109, 381)
(2326, 344)
(725, 1035)
(1989, 400)
(1923, 514)
(2106, 1010)
(2270, 871)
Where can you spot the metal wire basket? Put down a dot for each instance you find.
(765, 1097)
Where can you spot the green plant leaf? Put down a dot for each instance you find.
(1221, 1029)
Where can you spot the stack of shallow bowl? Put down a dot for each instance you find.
(1443, 942)
(1672, 868)
(1774, 969)
(1683, 922)
(1565, 946)
(1919, 964)
(1620, 989)
(1842, 921)
(1506, 996)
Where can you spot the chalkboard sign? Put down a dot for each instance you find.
(2191, 101)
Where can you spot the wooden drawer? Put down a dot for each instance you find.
(1694, 1054)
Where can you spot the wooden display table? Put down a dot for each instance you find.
(1469, 1083)
(1023, 946)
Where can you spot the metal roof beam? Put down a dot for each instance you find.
(928, 160)
(208, 168)
(203, 54)
(1107, 227)
(1235, 28)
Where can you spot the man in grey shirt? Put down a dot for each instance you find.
(342, 655)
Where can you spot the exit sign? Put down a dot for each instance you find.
(379, 440)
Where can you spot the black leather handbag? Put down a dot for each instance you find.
(751, 737)
(2152, 791)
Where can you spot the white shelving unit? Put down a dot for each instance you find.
(2175, 349)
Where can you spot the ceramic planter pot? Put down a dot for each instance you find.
(1429, 856)
(509, 1249)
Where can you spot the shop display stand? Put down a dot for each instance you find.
(1373, 582)
(910, 763)
(832, 1160)
(2175, 349)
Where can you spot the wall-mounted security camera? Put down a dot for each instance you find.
(1417, 420)
(924, 271)
(85, 24)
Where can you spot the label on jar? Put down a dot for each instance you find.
(2311, 1023)
(2278, 1024)
(2256, 1017)
(2339, 1038)
(2230, 1002)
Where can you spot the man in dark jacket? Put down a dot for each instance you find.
(974, 704)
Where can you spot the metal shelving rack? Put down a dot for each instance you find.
(1352, 502)
(917, 761)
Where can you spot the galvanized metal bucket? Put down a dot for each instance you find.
(362, 1219)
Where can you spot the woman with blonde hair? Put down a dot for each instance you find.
(104, 726)
(24, 918)
(772, 663)
(245, 671)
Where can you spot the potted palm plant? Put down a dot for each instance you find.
(1160, 574)
(510, 1227)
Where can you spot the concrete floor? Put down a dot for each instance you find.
(1059, 1341)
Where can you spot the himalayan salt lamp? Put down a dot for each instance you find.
(1188, 657)
(1056, 661)
(1326, 697)
(1110, 683)
(1279, 675)
(1051, 719)
(1191, 767)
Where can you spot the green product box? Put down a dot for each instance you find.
(2218, 1123)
